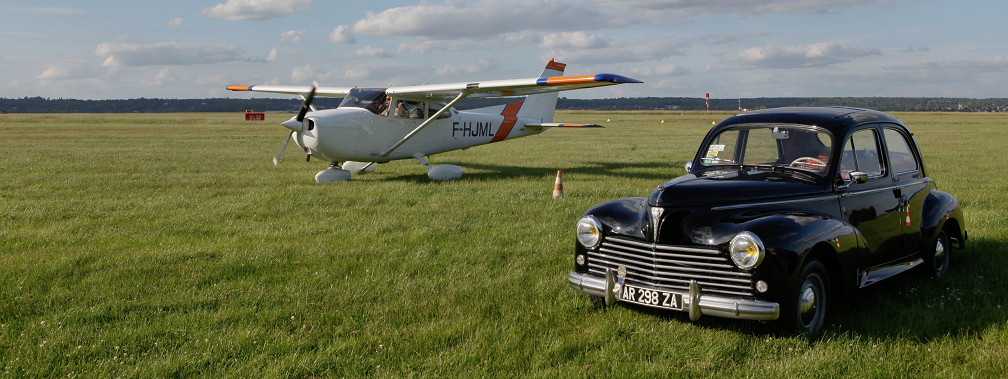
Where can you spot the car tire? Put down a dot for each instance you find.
(938, 258)
(810, 300)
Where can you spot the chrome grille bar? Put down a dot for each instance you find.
(671, 266)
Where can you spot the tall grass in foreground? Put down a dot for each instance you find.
(169, 246)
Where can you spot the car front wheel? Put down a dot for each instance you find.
(810, 300)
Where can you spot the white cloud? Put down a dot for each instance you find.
(174, 23)
(666, 70)
(292, 36)
(342, 34)
(699, 7)
(245, 10)
(166, 53)
(481, 65)
(303, 74)
(578, 40)
(522, 39)
(814, 55)
(426, 47)
(272, 55)
(372, 52)
(721, 39)
(70, 70)
(166, 75)
(621, 50)
(483, 19)
(919, 49)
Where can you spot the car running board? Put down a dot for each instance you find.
(876, 274)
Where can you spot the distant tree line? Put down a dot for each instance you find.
(145, 105)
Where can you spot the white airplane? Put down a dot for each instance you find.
(377, 125)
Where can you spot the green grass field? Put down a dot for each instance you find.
(168, 245)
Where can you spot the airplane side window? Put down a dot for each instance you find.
(409, 109)
(436, 107)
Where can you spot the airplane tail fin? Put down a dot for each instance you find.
(542, 106)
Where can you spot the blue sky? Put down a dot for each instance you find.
(728, 48)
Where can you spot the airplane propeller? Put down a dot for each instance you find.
(305, 107)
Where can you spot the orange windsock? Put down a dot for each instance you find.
(558, 187)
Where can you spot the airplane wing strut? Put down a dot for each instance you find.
(430, 119)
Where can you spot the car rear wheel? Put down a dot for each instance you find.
(810, 300)
(939, 257)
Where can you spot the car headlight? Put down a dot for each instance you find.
(589, 231)
(746, 250)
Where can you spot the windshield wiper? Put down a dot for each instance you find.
(778, 168)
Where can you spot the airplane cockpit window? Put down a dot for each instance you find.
(409, 109)
(372, 99)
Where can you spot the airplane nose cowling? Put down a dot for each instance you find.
(293, 124)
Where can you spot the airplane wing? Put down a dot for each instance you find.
(293, 90)
(506, 88)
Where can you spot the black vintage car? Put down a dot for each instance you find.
(782, 211)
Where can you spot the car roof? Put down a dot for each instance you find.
(837, 120)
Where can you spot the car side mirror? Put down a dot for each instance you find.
(859, 177)
(689, 165)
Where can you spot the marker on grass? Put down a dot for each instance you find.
(558, 186)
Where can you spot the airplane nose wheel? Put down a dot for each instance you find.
(332, 174)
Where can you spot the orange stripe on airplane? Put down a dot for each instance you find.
(510, 114)
(238, 87)
(570, 79)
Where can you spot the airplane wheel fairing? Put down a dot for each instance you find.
(330, 175)
(445, 172)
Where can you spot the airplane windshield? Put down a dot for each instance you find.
(372, 99)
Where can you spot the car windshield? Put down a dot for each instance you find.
(372, 99)
(793, 148)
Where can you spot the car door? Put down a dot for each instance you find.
(871, 207)
(909, 184)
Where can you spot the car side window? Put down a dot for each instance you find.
(901, 159)
(722, 148)
(861, 153)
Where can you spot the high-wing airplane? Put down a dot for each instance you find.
(377, 125)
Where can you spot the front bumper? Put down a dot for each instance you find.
(695, 302)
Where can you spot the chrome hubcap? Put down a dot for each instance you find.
(807, 304)
(939, 255)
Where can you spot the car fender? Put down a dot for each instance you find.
(790, 240)
(938, 208)
(625, 216)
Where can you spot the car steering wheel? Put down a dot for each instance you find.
(809, 163)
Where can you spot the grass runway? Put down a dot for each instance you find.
(168, 245)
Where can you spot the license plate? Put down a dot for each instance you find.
(652, 298)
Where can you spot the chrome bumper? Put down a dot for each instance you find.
(694, 302)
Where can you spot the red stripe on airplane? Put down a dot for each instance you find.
(510, 112)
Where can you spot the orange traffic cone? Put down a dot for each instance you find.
(558, 187)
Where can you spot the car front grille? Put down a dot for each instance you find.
(670, 267)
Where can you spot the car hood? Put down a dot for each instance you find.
(730, 187)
